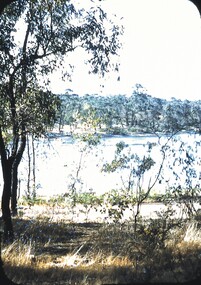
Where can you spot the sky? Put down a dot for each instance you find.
(161, 51)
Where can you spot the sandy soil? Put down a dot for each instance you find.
(80, 214)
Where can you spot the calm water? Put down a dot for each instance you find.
(58, 160)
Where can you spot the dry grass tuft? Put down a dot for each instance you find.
(56, 251)
(193, 233)
(19, 253)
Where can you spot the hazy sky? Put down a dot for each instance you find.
(162, 51)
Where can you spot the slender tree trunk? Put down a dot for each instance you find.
(6, 163)
(14, 186)
(34, 169)
(5, 203)
(28, 192)
(127, 119)
(9, 169)
(14, 175)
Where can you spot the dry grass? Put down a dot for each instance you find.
(50, 249)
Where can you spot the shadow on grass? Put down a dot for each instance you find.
(108, 254)
(58, 275)
(55, 237)
(61, 276)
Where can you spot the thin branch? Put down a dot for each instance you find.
(26, 40)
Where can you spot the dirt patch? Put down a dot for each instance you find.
(51, 248)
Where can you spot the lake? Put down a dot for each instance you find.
(58, 161)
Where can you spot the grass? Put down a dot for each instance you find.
(51, 248)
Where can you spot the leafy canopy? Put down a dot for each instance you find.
(49, 30)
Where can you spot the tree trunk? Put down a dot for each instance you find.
(5, 203)
(34, 169)
(14, 175)
(14, 186)
(6, 163)
(28, 192)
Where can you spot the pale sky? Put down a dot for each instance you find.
(162, 52)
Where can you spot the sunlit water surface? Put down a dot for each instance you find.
(58, 160)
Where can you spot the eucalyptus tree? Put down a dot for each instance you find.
(152, 115)
(196, 115)
(191, 115)
(50, 30)
(135, 107)
(106, 111)
(174, 117)
(70, 107)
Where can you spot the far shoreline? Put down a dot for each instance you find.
(55, 133)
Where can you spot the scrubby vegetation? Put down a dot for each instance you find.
(52, 248)
(83, 238)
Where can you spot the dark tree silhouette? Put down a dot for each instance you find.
(4, 4)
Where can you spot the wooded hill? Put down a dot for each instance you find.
(121, 114)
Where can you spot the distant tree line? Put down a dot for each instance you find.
(139, 113)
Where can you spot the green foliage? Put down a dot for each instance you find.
(117, 131)
(138, 113)
(127, 160)
(157, 231)
(88, 199)
(85, 142)
(49, 32)
(133, 167)
(90, 139)
(35, 37)
(31, 201)
(115, 203)
(186, 190)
